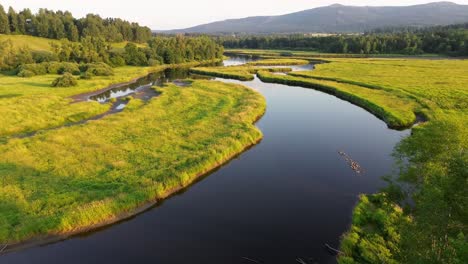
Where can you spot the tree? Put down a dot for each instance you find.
(21, 23)
(135, 56)
(73, 34)
(13, 20)
(4, 22)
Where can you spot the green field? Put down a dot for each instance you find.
(63, 180)
(31, 104)
(34, 43)
(278, 62)
(43, 44)
(245, 72)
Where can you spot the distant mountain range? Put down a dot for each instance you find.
(340, 19)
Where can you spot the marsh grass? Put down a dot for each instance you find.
(397, 112)
(278, 62)
(242, 73)
(31, 104)
(72, 178)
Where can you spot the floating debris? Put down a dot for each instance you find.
(251, 260)
(352, 164)
(332, 250)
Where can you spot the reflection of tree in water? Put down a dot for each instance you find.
(155, 78)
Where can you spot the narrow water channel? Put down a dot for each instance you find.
(279, 201)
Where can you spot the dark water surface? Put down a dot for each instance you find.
(281, 200)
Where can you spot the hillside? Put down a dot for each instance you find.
(340, 18)
(34, 43)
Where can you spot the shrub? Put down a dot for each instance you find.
(43, 56)
(99, 69)
(26, 73)
(153, 62)
(87, 76)
(70, 68)
(117, 61)
(67, 80)
(35, 68)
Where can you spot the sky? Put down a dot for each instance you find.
(175, 14)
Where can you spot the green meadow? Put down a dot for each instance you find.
(31, 104)
(34, 43)
(245, 72)
(71, 178)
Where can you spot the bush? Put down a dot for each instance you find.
(26, 73)
(99, 69)
(35, 68)
(43, 56)
(62, 67)
(87, 76)
(67, 80)
(70, 68)
(153, 62)
(117, 61)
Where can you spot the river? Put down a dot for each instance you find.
(279, 201)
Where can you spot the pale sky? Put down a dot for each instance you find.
(174, 14)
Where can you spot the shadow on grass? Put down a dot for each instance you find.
(7, 96)
(41, 85)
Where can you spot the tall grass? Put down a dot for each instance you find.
(69, 179)
(31, 104)
(396, 111)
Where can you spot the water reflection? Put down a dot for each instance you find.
(142, 88)
(280, 201)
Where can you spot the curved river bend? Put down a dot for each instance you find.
(280, 201)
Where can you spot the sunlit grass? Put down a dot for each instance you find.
(74, 177)
(34, 43)
(278, 62)
(396, 111)
(30, 104)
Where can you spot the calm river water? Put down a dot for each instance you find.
(279, 201)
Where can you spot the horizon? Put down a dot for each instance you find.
(186, 19)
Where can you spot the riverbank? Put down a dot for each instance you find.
(403, 92)
(30, 104)
(110, 179)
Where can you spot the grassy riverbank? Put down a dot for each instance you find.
(31, 104)
(397, 112)
(245, 72)
(278, 62)
(432, 162)
(71, 178)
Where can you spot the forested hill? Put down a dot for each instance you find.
(60, 25)
(340, 18)
(447, 40)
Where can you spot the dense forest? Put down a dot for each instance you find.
(158, 51)
(87, 41)
(447, 40)
(60, 25)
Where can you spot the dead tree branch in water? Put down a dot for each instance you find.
(1, 250)
(335, 251)
(251, 260)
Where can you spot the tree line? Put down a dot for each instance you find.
(59, 25)
(448, 40)
(157, 51)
